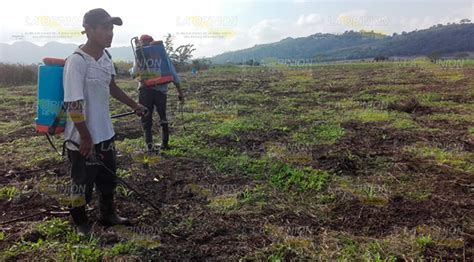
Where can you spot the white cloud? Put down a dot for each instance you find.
(137, 18)
(159, 18)
(353, 13)
(309, 20)
(413, 23)
(268, 30)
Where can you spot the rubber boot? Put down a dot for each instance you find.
(108, 213)
(149, 139)
(81, 223)
(165, 137)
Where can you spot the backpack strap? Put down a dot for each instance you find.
(110, 57)
(108, 54)
(57, 119)
(77, 53)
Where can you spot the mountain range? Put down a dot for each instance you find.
(439, 39)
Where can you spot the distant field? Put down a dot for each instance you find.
(359, 161)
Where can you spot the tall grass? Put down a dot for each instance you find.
(17, 74)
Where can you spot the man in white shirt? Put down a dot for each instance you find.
(88, 82)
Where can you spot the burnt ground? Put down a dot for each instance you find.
(207, 212)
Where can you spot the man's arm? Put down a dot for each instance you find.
(134, 70)
(118, 94)
(177, 83)
(180, 92)
(73, 82)
(76, 113)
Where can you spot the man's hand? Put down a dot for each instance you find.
(86, 146)
(76, 112)
(180, 92)
(140, 110)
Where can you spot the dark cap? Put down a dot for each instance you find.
(99, 16)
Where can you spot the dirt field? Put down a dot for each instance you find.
(366, 162)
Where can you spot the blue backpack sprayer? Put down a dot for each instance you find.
(155, 66)
(51, 112)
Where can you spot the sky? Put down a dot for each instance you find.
(215, 27)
